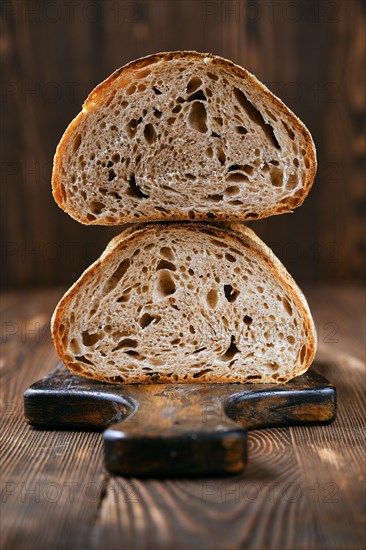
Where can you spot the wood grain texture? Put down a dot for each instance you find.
(176, 430)
(303, 487)
(309, 53)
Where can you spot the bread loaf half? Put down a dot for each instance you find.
(185, 302)
(182, 136)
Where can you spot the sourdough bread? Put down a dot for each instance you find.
(182, 136)
(185, 302)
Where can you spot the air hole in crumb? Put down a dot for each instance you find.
(302, 353)
(221, 156)
(156, 90)
(290, 339)
(143, 73)
(230, 257)
(125, 296)
(191, 215)
(197, 117)
(256, 116)
(218, 243)
(230, 294)
(248, 169)
(77, 142)
(116, 276)
(149, 134)
(215, 198)
(134, 190)
(115, 195)
(212, 76)
(83, 359)
(234, 167)
(291, 182)
(210, 215)
(247, 320)
(287, 306)
(201, 373)
(194, 83)
(126, 343)
(111, 175)
(276, 176)
(96, 207)
(131, 90)
(212, 298)
(290, 133)
(157, 113)
(197, 96)
(237, 177)
(198, 350)
(167, 252)
(271, 115)
(231, 351)
(74, 346)
(164, 264)
(232, 190)
(165, 285)
(89, 339)
(241, 130)
(131, 126)
(145, 320)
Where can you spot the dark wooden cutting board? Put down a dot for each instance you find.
(176, 429)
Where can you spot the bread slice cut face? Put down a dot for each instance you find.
(182, 136)
(185, 302)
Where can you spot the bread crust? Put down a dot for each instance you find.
(233, 233)
(121, 78)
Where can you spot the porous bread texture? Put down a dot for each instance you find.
(185, 302)
(182, 136)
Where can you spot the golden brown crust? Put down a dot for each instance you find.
(231, 232)
(122, 77)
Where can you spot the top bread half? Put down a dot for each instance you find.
(182, 136)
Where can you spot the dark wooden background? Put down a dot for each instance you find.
(310, 53)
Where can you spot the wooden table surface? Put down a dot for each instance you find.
(303, 487)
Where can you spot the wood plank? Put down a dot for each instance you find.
(52, 482)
